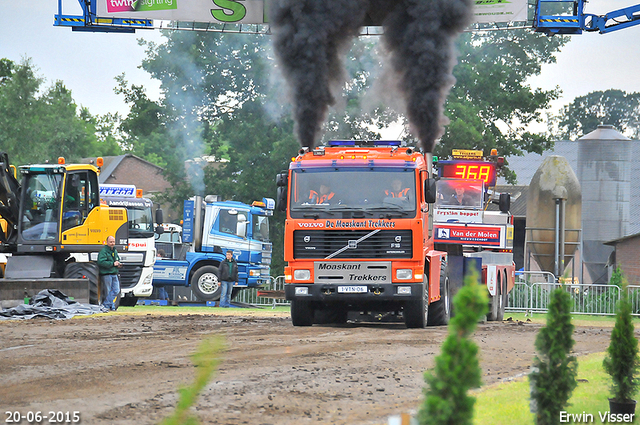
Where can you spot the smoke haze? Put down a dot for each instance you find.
(310, 39)
(312, 36)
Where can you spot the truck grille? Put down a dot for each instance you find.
(322, 243)
(129, 276)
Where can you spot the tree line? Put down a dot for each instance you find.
(222, 97)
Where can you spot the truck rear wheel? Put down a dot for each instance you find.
(205, 283)
(301, 313)
(89, 271)
(416, 312)
(440, 311)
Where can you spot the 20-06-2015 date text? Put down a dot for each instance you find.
(50, 417)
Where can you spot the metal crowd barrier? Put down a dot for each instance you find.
(593, 299)
(274, 287)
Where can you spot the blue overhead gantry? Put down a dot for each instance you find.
(90, 21)
(551, 17)
(568, 17)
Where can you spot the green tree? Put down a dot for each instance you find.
(457, 369)
(554, 373)
(257, 148)
(38, 125)
(491, 103)
(585, 113)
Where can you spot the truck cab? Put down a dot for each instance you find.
(473, 236)
(210, 228)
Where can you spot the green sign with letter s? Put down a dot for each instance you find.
(229, 10)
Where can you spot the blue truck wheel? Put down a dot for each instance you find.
(205, 283)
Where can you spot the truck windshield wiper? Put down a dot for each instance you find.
(390, 210)
(345, 208)
(312, 211)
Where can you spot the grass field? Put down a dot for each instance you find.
(508, 403)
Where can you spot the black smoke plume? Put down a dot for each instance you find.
(312, 36)
(420, 36)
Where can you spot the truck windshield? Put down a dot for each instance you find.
(325, 193)
(456, 193)
(140, 222)
(139, 214)
(260, 228)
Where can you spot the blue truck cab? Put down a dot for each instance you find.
(210, 228)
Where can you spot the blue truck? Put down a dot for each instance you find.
(210, 228)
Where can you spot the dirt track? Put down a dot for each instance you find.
(125, 369)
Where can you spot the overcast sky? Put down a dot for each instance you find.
(88, 62)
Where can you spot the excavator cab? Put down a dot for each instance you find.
(60, 210)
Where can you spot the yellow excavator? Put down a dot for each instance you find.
(53, 227)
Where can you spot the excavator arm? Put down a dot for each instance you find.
(9, 200)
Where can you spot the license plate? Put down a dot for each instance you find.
(352, 289)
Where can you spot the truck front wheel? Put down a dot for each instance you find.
(416, 312)
(440, 311)
(301, 313)
(205, 283)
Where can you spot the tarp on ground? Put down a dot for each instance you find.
(50, 304)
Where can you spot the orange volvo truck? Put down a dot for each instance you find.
(372, 227)
(358, 234)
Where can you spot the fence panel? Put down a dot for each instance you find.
(594, 299)
(250, 296)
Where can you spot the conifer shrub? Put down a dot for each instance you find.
(456, 368)
(621, 361)
(554, 371)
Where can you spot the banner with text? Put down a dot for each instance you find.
(254, 11)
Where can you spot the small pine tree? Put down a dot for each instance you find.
(622, 361)
(457, 368)
(554, 373)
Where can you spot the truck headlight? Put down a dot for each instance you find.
(404, 274)
(301, 275)
(254, 273)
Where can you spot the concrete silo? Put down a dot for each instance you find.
(554, 211)
(604, 171)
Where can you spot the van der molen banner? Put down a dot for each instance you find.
(254, 11)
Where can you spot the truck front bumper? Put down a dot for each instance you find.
(364, 293)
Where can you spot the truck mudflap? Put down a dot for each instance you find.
(354, 293)
(14, 291)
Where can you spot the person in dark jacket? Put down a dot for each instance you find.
(228, 277)
(108, 265)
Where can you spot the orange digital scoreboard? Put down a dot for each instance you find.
(469, 170)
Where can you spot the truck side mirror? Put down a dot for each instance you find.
(241, 226)
(159, 216)
(430, 190)
(281, 199)
(505, 202)
(282, 179)
(159, 221)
